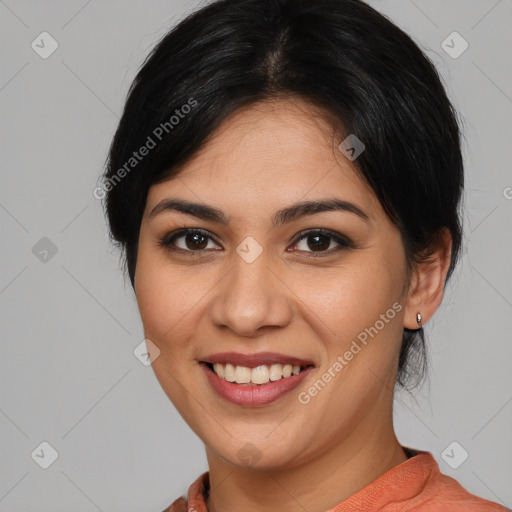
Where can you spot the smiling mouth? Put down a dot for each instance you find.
(258, 375)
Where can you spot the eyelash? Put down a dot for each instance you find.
(168, 241)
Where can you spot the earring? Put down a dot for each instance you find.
(418, 319)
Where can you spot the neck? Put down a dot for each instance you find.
(320, 484)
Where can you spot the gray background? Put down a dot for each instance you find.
(69, 324)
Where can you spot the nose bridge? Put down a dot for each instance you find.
(251, 296)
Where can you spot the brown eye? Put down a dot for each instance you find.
(187, 240)
(195, 241)
(320, 240)
(317, 242)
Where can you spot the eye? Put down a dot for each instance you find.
(193, 240)
(197, 240)
(319, 240)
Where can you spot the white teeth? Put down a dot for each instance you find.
(276, 372)
(242, 375)
(258, 375)
(219, 369)
(229, 373)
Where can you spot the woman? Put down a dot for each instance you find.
(285, 184)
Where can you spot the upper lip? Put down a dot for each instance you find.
(257, 359)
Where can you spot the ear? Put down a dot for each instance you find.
(427, 283)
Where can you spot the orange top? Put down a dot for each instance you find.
(416, 485)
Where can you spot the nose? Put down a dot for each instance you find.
(251, 297)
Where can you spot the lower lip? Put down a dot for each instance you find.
(253, 395)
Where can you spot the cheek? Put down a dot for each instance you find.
(360, 327)
(165, 297)
(358, 313)
(167, 302)
(349, 299)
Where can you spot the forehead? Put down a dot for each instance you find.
(269, 154)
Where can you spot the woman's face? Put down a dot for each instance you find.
(330, 302)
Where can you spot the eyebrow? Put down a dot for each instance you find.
(283, 216)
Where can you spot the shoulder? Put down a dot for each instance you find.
(417, 485)
(444, 491)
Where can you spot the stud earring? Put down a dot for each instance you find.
(418, 319)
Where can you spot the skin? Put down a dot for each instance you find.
(304, 302)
